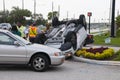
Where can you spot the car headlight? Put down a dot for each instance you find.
(57, 53)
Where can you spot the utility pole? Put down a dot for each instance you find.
(110, 13)
(89, 15)
(73, 16)
(52, 9)
(4, 10)
(58, 11)
(113, 19)
(118, 13)
(67, 14)
(22, 4)
(34, 9)
(4, 5)
(52, 13)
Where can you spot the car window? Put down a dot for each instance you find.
(6, 39)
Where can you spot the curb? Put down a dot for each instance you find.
(112, 63)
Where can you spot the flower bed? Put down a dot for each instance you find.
(101, 53)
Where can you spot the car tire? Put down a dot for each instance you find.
(82, 20)
(55, 22)
(39, 63)
(71, 37)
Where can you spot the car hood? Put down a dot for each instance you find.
(43, 48)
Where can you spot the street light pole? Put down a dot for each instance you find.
(4, 5)
(4, 10)
(58, 11)
(113, 19)
(110, 11)
(67, 14)
(34, 9)
(52, 9)
(22, 4)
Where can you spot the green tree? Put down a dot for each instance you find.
(18, 14)
(118, 26)
(41, 21)
(54, 13)
(4, 16)
(118, 21)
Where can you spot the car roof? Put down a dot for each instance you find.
(5, 31)
(5, 26)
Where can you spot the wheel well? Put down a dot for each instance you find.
(40, 53)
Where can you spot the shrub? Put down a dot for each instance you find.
(89, 55)
(117, 58)
(96, 53)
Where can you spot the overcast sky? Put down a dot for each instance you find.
(99, 8)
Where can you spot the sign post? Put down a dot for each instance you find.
(89, 15)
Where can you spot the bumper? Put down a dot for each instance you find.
(57, 60)
(69, 52)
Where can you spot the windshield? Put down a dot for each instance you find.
(20, 39)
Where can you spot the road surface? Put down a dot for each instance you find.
(70, 70)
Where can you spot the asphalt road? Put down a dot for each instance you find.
(70, 70)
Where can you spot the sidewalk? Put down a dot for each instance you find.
(115, 63)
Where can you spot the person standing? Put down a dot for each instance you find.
(21, 28)
(26, 32)
(33, 31)
(47, 29)
(14, 30)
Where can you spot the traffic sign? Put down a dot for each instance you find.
(89, 14)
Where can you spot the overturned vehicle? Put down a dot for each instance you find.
(68, 36)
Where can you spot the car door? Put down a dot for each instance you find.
(9, 52)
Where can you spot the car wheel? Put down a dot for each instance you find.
(82, 20)
(39, 63)
(71, 37)
(55, 22)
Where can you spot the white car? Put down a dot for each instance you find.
(6, 26)
(16, 50)
(69, 36)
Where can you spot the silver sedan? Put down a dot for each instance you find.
(15, 50)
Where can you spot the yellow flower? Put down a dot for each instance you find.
(105, 54)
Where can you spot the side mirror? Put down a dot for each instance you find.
(16, 43)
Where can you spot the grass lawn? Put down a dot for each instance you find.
(100, 39)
